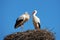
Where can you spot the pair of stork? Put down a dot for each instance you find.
(25, 17)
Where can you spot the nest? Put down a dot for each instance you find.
(31, 35)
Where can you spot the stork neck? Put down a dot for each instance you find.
(34, 14)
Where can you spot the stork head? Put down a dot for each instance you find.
(26, 14)
(35, 11)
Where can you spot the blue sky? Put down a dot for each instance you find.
(48, 12)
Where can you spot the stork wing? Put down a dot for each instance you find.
(39, 25)
(18, 22)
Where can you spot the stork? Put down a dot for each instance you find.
(21, 20)
(36, 20)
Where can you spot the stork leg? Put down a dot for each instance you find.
(35, 30)
(21, 28)
(37, 27)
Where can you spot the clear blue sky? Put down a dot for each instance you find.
(48, 12)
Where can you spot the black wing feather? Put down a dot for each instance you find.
(17, 22)
(39, 25)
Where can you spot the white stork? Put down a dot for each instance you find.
(22, 19)
(36, 20)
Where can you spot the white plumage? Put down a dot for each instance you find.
(36, 20)
(22, 19)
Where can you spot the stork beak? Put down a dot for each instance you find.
(33, 12)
